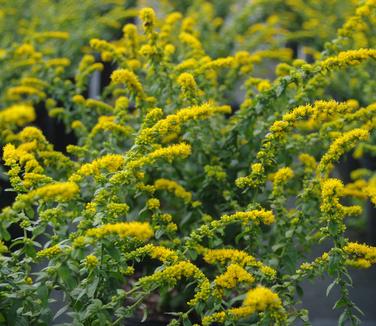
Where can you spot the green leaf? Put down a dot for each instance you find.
(61, 311)
(65, 275)
(330, 287)
(90, 290)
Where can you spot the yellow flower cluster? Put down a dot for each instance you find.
(127, 77)
(362, 256)
(109, 162)
(169, 153)
(153, 203)
(91, 261)
(50, 252)
(309, 162)
(235, 256)
(281, 177)
(356, 23)
(278, 133)
(17, 92)
(257, 300)
(59, 192)
(138, 230)
(174, 187)
(172, 274)
(256, 216)
(233, 275)
(309, 267)
(148, 18)
(331, 191)
(160, 253)
(117, 209)
(341, 145)
(18, 115)
(172, 123)
(262, 298)
(347, 58)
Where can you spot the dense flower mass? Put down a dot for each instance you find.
(185, 157)
(141, 231)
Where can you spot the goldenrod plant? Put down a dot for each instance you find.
(204, 171)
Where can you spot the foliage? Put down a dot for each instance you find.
(200, 176)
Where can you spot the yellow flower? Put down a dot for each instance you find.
(59, 192)
(347, 58)
(50, 252)
(233, 275)
(91, 261)
(18, 115)
(341, 145)
(174, 273)
(161, 253)
(109, 162)
(148, 18)
(173, 187)
(282, 176)
(138, 230)
(257, 300)
(308, 161)
(153, 203)
(363, 256)
(16, 92)
(193, 43)
(107, 123)
(262, 298)
(172, 123)
(127, 77)
(234, 256)
(169, 153)
(331, 191)
(187, 84)
(209, 230)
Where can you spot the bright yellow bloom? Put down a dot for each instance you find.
(341, 145)
(257, 300)
(174, 273)
(188, 85)
(109, 162)
(169, 153)
(233, 275)
(161, 253)
(127, 77)
(174, 187)
(331, 191)
(282, 176)
(308, 161)
(50, 252)
(18, 115)
(361, 255)
(234, 256)
(16, 92)
(172, 123)
(347, 58)
(262, 298)
(59, 192)
(107, 123)
(91, 261)
(148, 18)
(138, 230)
(153, 203)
